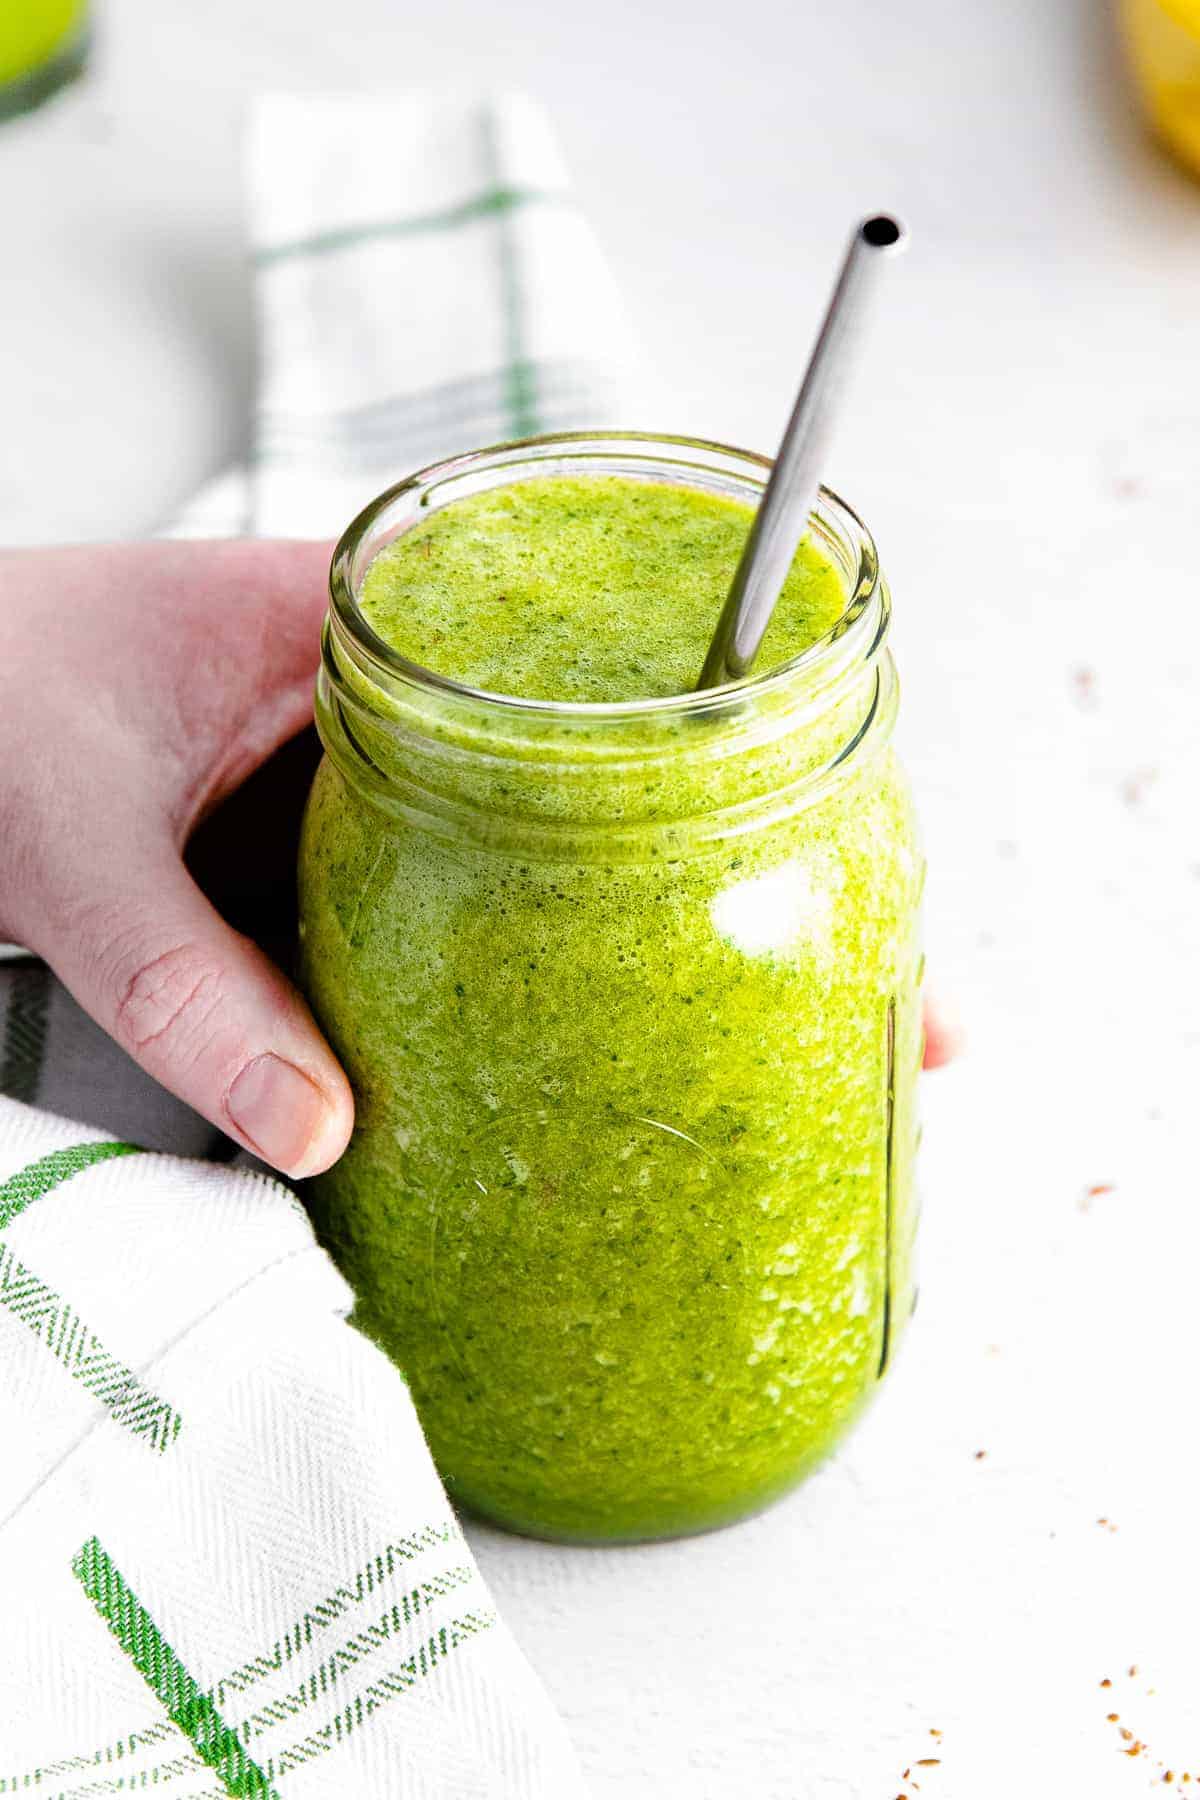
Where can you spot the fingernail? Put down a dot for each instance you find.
(281, 1112)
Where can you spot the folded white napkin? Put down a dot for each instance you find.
(425, 284)
(227, 1566)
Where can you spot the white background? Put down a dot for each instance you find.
(1026, 446)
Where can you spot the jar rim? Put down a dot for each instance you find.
(856, 632)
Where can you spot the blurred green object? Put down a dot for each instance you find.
(43, 45)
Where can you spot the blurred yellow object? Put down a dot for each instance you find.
(1164, 47)
(42, 44)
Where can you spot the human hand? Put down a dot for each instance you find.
(141, 685)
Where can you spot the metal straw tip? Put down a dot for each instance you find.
(782, 516)
(883, 232)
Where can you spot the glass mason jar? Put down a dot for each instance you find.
(629, 998)
(43, 45)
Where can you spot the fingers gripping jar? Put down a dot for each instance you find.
(629, 997)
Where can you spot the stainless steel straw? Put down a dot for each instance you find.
(788, 499)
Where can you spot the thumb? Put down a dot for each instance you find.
(204, 1012)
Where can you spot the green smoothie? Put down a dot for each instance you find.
(575, 589)
(629, 999)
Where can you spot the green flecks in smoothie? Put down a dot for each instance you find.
(582, 588)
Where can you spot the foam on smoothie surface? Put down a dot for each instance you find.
(594, 588)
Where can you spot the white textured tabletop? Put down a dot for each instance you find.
(1015, 1522)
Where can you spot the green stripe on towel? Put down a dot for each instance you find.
(186, 1705)
(84, 1357)
(491, 203)
(522, 400)
(37, 1178)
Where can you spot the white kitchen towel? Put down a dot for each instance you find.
(227, 1566)
(425, 284)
